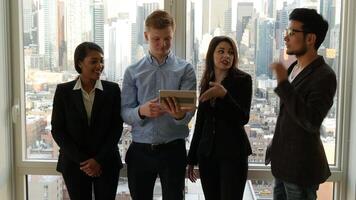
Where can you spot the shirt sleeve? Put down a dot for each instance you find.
(129, 102)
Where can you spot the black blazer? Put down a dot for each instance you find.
(219, 130)
(297, 154)
(79, 141)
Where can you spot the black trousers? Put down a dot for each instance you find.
(79, 185)
(145, 162)
(223, 179)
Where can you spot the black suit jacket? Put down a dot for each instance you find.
(79, 141)
(297, 154)
(219, 130)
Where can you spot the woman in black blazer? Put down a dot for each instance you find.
(220, 145)
(87, 126)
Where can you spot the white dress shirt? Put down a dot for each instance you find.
(88, 98)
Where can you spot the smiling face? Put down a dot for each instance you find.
(92, 65)
(223, 56)
(159, 41)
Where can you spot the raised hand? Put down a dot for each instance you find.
(280, 71)
(216, 90)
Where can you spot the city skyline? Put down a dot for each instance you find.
(52, 30)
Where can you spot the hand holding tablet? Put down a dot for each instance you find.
(185, 99)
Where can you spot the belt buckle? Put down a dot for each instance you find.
(154, 147)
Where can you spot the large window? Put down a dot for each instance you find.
(51, 32)
(51, 29)
(258, 29)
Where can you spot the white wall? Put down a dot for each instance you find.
(5, 140)
(350, 26)
(351, 176)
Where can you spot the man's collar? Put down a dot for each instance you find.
(152, 59)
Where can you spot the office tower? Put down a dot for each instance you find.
(62, 49)
(142, 13)
(327, 10)
(98, 23)
(271, 9)
(264, 46)
(118, 51)
(313, 4)
(27, 22)
(228, 20)
(134, 46)
(110, 49)
(78, 26)
(216, 14)
(47, 30)
(281, 24)
(245, 13)
(192, 48)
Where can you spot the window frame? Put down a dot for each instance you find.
(176, 8)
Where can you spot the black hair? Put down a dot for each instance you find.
(82, 51)
(312, 23)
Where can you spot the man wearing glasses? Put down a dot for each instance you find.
(306, 91)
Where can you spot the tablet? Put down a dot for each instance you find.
(185, 98)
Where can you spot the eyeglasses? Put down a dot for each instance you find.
(291, 32)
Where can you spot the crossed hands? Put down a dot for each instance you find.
(91, 167)
(192, 174)
(169, 105)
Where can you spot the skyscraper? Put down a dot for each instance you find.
(118, 56)
(98, 22)
(245, 13)
(48, 29)
(215, 13)
(142, 13)
(271, 8)
(281, 25)
(192, 48)
(62, 48)
(78, 26)
(264, 46)
(27, 22)
(227, 20)
(327, 10)
(110, 50)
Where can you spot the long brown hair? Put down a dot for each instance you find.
(209, 74)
